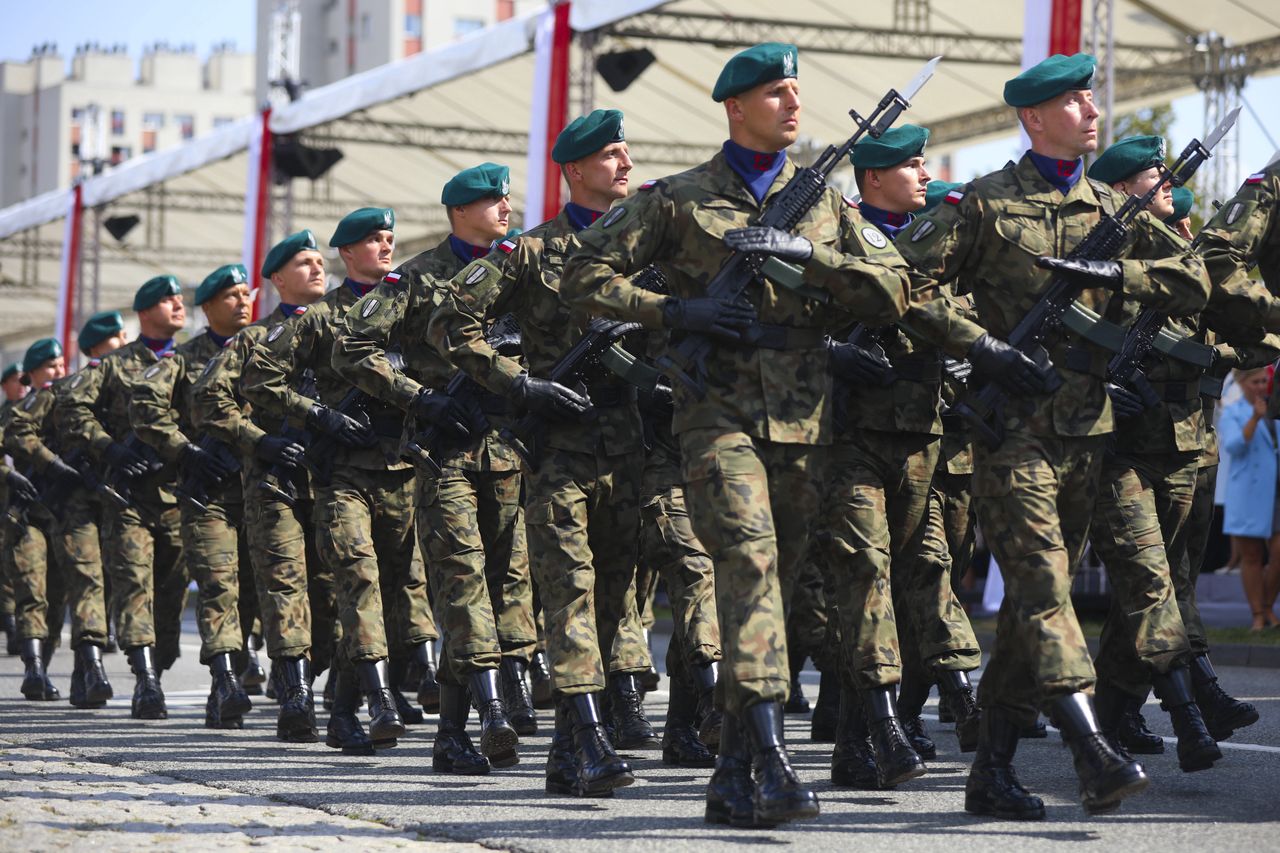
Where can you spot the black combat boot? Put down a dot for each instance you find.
(424, 659)
(344, 731)
(779, 795)
(993, 787)
(562, 764)
(1110, 703)
(254, 676)
(296, 722)
(707, 716)
(9, 624)
(396, 669)
(648, 679)
(597, 767)
(148, 697)
(896, 760)
(326, 696)
(853, 761)
(50, 646)
(540, 682)
(272, 690)
(385, 725)
(1197, 750)
(630, 727)
(826, 711)
(956, 693)
(912, 694)
(515, 694)
(232, 701)
(1133, 733)
(731, 791)
(453, 751)
(680, 744)
(498, 739)
(1105, 777)
(1223, 714)
(34, 680)
(1035, 731)
(796, 701)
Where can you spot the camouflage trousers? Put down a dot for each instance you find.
(6, 573)
(1186, 566)
(143, 547)
(958, 522)
(1034, 496)
(1139, 529)
(807, 613)
(752, 503)
(80, 551)
(582, 517)
(296, 594)
(468, 532)
(217, 552)
(364, 532)
(39, 578)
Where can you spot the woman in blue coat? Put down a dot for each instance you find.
(1249, 437)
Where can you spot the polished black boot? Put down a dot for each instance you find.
(1133, 733)
(148, 697)
(913, 692)
(296, 721)
(1110, 703)
(396, 669)
(273, 689)
(344, 731)
(955, 692)
(453, 751)
(94, 688)
(796, 701)
(9, 624)
(498, 739)
(515, 693)
(326, 696)
(254, 676)
(731, 791)
(779, 795)
(34, 678)
(993, 787)
(540, 682)
(1197, 750)
(896, 760)
(1223, 714)
(680, 744)
(232, 701)
(853, 761)
(597, 767)
(385, 725)
(424, 658)
(631, 729)
(562, 763)
(649, 678)
(1105, 777)
(707, 717)
(826, 711)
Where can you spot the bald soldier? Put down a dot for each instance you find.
(752, 446)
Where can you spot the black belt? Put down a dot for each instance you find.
(1084, 360)
(770, 336)
(918, 369)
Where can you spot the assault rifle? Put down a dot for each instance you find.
(194, 488)
(121, 483)
(281, 479)
(983, 407)
(686, 360)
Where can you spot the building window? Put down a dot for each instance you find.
(187, 125)
(117, 122)
(413, 26)
(152, 121)
(506, 9)
(120, 153)
(222, 121)
(466, 26)
(77, 115)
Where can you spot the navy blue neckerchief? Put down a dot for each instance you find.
(756, 168)
(889, 223)
(1063, 174)
(466, 252)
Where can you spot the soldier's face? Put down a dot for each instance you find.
(1162, 205)
(230, 309)
(767, 117)
(483, 220)
(166, 316)
(111, 344)
(368, 260)
(1067, 126)
(605, 174)
(901, 188)
(301, 280)
(54, 368)
(13, 387)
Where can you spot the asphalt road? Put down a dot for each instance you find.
(1233, 806)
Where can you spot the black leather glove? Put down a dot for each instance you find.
(203, 463)
(58, 469)
(547, 398)
(852, 363)
(21, 488)
(708, 315)
(443, 411)
(997, 360)
(343, 429)
(1125, 403)
(769, 241)
(124, 460)
(278, 450)
(1108, 274)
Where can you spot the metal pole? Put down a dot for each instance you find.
(97, 259)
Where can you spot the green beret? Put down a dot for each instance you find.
(98, 328)
(936, 192)
(40, 352)
(288, 247)
(227, 275)
(154, 290)
(755, 65)
(358, 224)
(1126, 158)
(587, 135)
(10, 372)
(896, 145)
(488, 180)
(1049, 79)
(1183, 198)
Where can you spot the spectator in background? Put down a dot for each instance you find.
(1249, 438)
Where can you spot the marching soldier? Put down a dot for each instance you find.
(1035, 492)
(469, 512)
(14, 390)
(751, 447)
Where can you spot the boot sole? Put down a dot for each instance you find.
(99, 697)
(298, 736)
(861, 783)
(237, 706)
(228, 723)
(902, 776)
(929, 753)
(1223, 730)
(1144, 749)
(639, 744)
(1201, 759)
(984, 810)
(722, 818)
(560, 789)
(499, 746)
(1111, 800)
(86, 705)
(788, 815)
(606, 785)
(446, 766)
(383, 733)
(385, 743)
(357, 749)
(150, 715)
(673, 759)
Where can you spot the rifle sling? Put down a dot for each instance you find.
(791, 277)
(1211, 386)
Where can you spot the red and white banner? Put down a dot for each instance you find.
(549, 114)
(1050, 27)
(65, 321)
(257, 195)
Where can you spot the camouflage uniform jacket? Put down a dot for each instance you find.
(522, 277)
(218, 407)
(679, 223)
(396, 314)
(1245, 232)
(161, 408)
(990, 233)
(30, 435)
